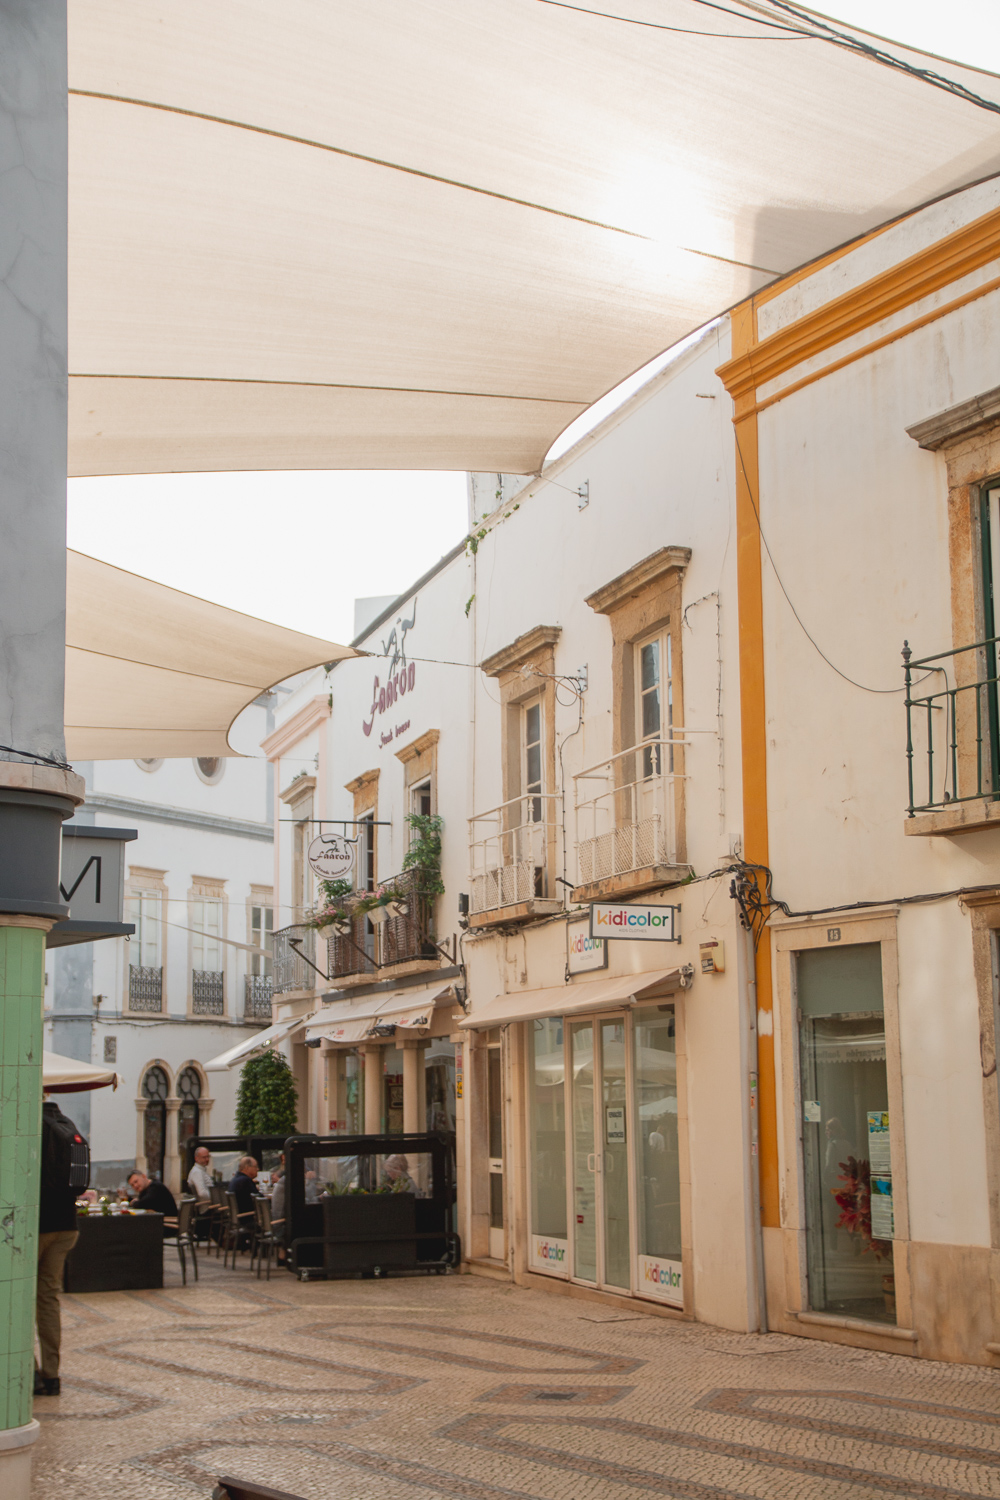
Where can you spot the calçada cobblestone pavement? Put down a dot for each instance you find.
(418, 1389)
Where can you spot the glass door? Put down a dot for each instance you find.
(602, 1236)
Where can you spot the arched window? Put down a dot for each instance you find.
(189, 1092)
(210, 768)
(155, 1088)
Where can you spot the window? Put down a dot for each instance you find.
(366, 852)
(261, 933)
(150, 764)
(531, 758)
(145, 911)
(547, 1072)
(656, 1140)
(188, 1116)
(655, 707)
(846, 1130)
(155, 1088)
(209, 768)
(420, 799)
(206, 938)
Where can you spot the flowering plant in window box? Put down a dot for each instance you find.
(333, 915)
(383, 902)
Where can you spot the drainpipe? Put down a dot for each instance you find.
(757, 1227)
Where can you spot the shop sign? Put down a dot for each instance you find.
(548, 1254)
(331, 855)
(662, 1279)
(614, 1124)
(400, 680)
(644, 924)
(880, 1158)
(584, 953)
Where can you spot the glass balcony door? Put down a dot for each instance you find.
(598, 1069)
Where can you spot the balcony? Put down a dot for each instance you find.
(145, 989)
(953, 740)
(372, 945)
(289, 969)
(257, 997)
(208, 992)
(513, 865)
(626, 821)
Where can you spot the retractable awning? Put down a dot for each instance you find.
(348, 1021)
(151, 671)
(260, 1041)
(65, 1075)
(573, 999)
(429, 234)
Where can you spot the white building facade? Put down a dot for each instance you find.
(195, 976)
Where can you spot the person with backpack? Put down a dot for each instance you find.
(65, 1175)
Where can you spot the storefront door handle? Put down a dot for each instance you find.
(592, 1162)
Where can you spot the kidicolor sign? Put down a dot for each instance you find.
(548, 1254)
(662, 1279)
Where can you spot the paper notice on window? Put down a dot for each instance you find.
(878, 1143)
(881, 1208)
(813, 1111)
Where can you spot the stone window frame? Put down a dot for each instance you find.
(967, 438)
(643, 602)
(142, 880)
(300, 790)
(787, 1270)
(419, 760)
(364, 790)
(259, 895)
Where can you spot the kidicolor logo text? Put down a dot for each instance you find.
(546, 1251)
(662, 1275)
(622, 918)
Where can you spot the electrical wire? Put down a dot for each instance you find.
(798, 36)
(43, 760)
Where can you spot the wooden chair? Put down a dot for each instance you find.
(267, 1235)
(221, 1215)
(185, 1236)
(237, 1225)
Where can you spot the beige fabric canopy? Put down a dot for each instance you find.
(151, 671)
(573, 999)
(429, 233)
(65, 1075)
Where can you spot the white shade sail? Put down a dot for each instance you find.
(151, 671)
(429, 233)
(65, 1075)
(260, 1041)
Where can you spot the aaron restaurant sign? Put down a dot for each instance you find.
(399, 681)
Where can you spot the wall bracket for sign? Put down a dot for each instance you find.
(296, 943)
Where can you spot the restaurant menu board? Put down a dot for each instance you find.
(880, 1163)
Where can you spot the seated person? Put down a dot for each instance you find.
(278, 1200)
(200, 1175)
(396, 1175)
(154, 1197)
(243, 1184)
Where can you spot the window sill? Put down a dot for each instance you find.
(653, 877)
(964, 817)
(524, 911)
(856, 1325)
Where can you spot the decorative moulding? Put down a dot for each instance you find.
(540, 638)
(637, 579)
(287, 735)
(365, 779)
(418, 746)
(958, 421)
(301, 787)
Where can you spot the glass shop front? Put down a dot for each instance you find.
(603, 1152)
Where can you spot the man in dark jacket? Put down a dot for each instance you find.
(154, 1197)
(57, 1234)
(244, 1185)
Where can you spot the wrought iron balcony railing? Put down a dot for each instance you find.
(628, 824)
(291, 968)
(257, 997)
(953, 733)
(145, 989)
(372, 945)
(208, 992)
(514, 862)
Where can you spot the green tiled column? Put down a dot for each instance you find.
(22, 978)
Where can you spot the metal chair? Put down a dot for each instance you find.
(236, 1226)
(185, 1236)
(218, 1193)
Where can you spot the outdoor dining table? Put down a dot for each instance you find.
(116, 1253)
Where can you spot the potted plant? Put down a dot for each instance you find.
(332, 917)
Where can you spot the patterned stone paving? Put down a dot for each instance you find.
(416, 1389)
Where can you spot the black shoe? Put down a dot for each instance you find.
(46, 1385)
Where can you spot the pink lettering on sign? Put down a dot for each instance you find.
(402, 676)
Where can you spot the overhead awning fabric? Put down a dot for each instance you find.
(270, 1037)
(151, 671)
(65, 1075)
(428, 234)
(572, 999)
(348, 1021)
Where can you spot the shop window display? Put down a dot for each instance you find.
(657, 1152)
(548, 1144)
(846, 1130)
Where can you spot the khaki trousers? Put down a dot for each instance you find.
(53, 1248)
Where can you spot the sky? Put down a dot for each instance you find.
(213, 534)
